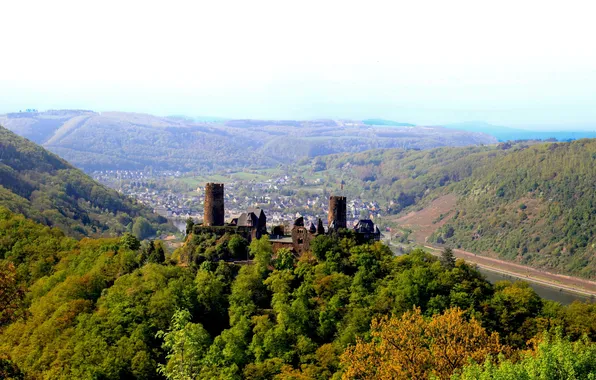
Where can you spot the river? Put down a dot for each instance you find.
(546, 292)
(180, 224)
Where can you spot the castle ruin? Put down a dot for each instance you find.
(252, 224)
(337, 213)
(214, 205)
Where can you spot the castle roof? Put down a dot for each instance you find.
(248, 219)
(256, 211)
(365, 226)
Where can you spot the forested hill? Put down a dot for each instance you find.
(46, 188)
(536, 206)
(118, 309)
(530, 203)
(119, 140)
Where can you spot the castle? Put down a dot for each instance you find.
(252, 224)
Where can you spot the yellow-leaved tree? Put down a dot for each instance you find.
(415, 347)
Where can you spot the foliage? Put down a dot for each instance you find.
(210, 247)
(285, 259)
(102, 309)
(45, 188)
(187, 343)
(447, 258)
(414, 347)
(130, 241)
(11, 294)
(532, 205)
(190, 223)
(142, 229)
(553, 358)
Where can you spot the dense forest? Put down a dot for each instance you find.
(119, 308)
(536, 206)
(46, 188)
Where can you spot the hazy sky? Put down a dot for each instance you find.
(505, 62)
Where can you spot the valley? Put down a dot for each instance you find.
(443, 196)
(297, 190)
(108, 277)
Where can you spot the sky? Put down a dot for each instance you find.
(518, 63)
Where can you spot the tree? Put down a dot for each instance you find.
(190, 223)
(285, 259)
(130, 241)
(11, 294)
(262, 251)
(448, 258)
(551, 359)
(158, 255)
(142, 229)
(238, 247)
(413, 347)
(513, 308)
(186, 344)
(9, 370)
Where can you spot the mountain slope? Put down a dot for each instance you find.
(536, 206)
(118, 140)
(531, 204)
(46, 188)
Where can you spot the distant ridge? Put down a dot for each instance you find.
(387, 122)
(135, 141)
(507, 134)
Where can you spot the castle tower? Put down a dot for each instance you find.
(337, 212)
(214, 204)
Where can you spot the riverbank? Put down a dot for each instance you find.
(559, 282)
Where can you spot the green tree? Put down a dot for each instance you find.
(238, 247)
(554, 358)
(11, 293)
(130, 241)
(448, 258)
(190, 223)
(186, 344)
(158, 254)
(142, 229)
(285, 259)
(212, 300)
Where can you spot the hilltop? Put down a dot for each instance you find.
(118, 140)
(116, 308)
(44, 187)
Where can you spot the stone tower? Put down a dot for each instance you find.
(214, 204)
(337, 212)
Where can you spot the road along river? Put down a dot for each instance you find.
(560, 288)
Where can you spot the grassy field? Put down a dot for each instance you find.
(246, 176)
(202, 180)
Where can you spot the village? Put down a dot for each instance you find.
(284, 197)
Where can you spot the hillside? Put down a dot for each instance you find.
(115, 308)
(531, 204)
(117, 140)
(536, 206)
(46, 188)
